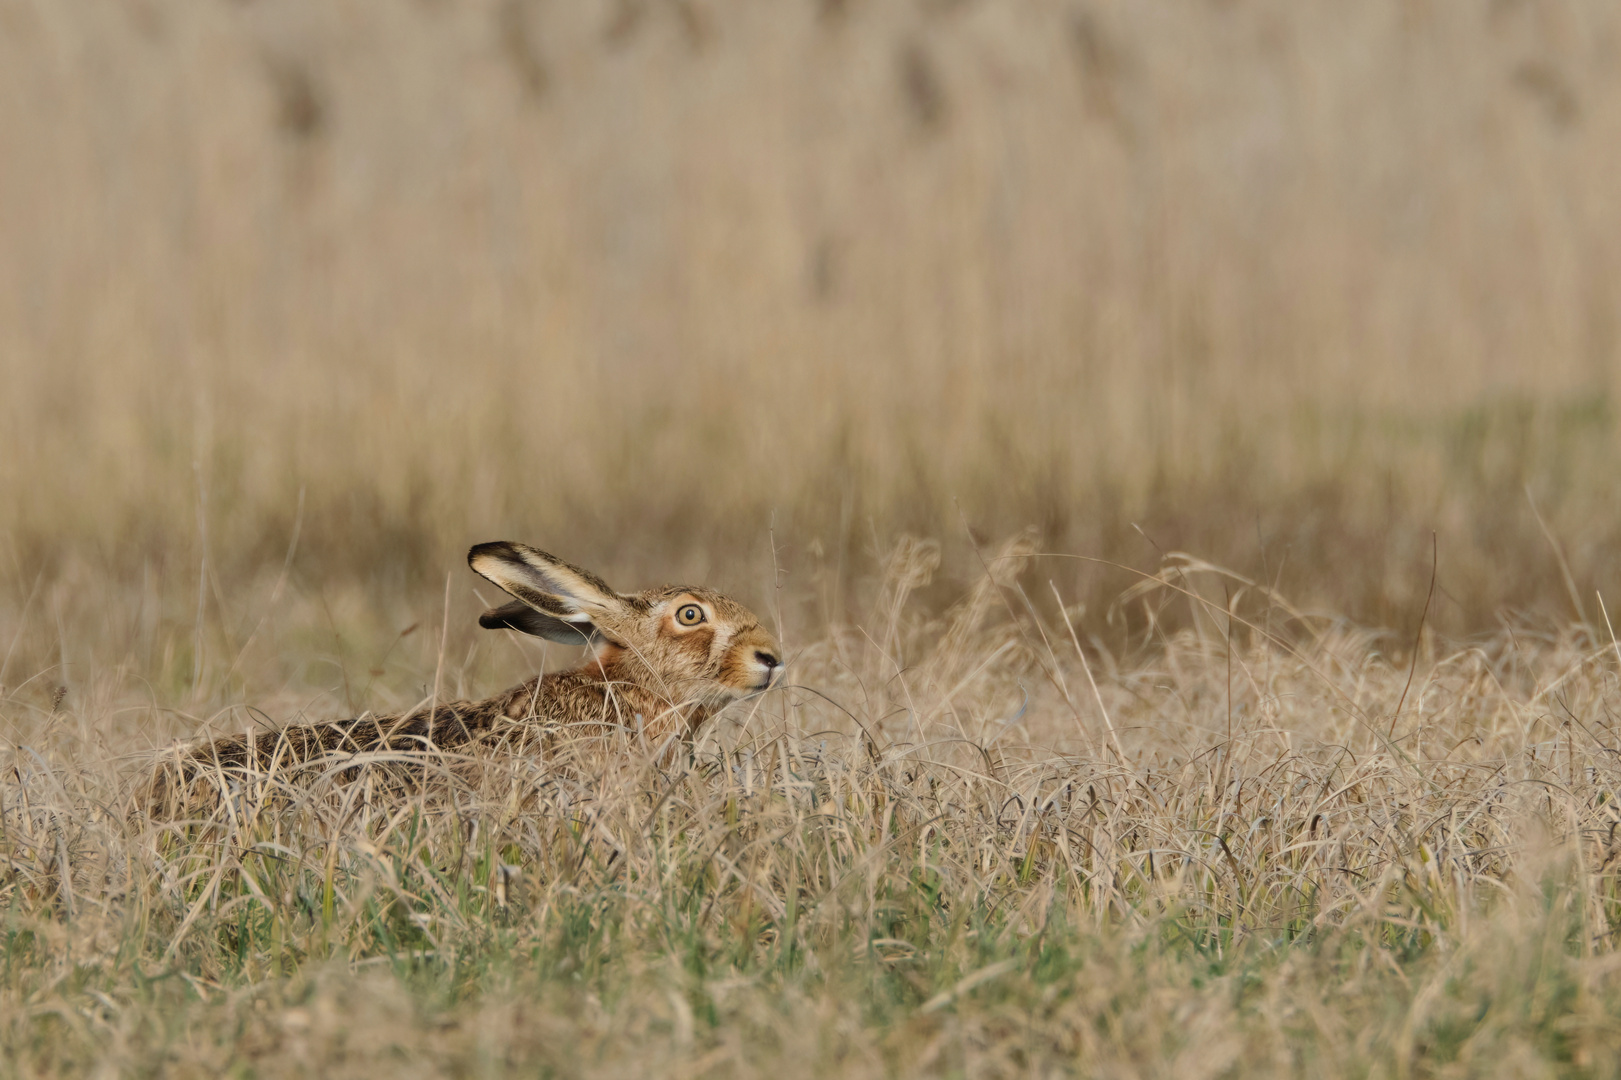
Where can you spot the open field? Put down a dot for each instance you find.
(941, 852)
(642, 279)
(938, 333)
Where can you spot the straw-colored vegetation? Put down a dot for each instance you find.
(300, 298)
(970, 845)
(639, 278)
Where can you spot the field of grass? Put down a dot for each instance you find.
(967, 845)
(1175, 444)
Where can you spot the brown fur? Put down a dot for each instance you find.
(647, 673)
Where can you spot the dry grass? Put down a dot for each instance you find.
(299, 298)
(640, 278)
(966, 845)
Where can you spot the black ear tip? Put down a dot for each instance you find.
(515, 616)
(495, 549)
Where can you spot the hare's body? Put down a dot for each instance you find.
(662, 662)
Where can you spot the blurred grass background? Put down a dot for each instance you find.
(653, 282)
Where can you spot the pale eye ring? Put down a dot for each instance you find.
(689, 615)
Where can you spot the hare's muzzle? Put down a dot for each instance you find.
(768, 666)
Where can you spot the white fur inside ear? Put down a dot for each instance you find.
(545, 582)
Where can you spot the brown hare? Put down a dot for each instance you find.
(662, 662)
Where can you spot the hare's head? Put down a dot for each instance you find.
(687, 643)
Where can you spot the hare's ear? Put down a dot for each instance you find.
(579, 602)
(521, 617)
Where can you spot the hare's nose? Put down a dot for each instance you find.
(768, 659)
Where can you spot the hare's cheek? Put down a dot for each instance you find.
(720, 651)
(734, 669)
(696, 646)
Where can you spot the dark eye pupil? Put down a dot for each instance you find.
(690, 614)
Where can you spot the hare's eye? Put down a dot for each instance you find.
(689, 615)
